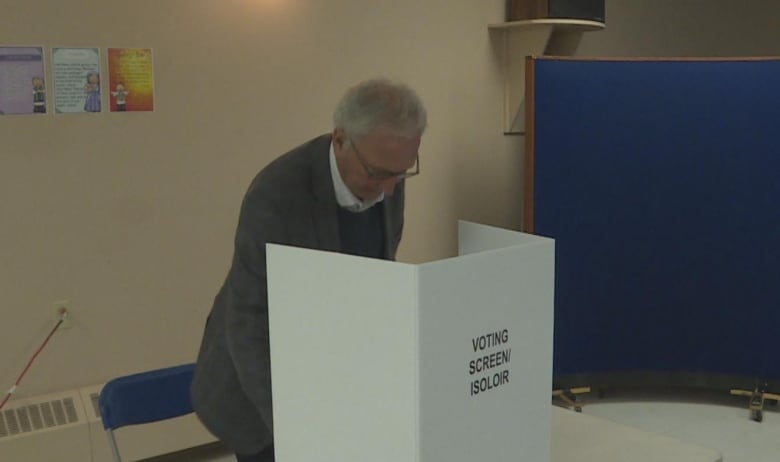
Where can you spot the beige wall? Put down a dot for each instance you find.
(131, 216)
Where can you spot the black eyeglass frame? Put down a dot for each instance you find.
(375, 174)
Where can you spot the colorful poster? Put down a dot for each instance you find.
(22, 82)
(131, 79)
(76, 74)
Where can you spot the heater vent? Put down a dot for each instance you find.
(37, 416)
(67, 427)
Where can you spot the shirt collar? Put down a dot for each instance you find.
(344, 196)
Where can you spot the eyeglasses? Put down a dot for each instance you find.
(374, 173)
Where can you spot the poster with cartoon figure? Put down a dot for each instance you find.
(39, 95)
(22, 82)
(131, 78)
(92, 90)
(76, 73)
(120, 98)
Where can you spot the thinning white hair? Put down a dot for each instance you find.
(380, 103)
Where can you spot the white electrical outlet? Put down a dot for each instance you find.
(61, 307)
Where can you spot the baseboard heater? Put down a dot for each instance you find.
(66, 427)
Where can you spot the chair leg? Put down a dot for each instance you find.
(112, 443)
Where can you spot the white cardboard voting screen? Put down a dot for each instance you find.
(383, 361)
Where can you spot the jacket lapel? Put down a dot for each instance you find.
(326, 223)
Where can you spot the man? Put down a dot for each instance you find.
(340, 192)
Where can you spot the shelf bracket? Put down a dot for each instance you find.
(535, 37)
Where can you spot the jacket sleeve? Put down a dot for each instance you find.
(246, 317)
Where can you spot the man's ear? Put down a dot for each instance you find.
(339, 138)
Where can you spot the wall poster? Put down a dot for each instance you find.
(131, 79)
(76, 75)
(22, 80)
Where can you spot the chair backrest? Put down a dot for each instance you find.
(144, 398)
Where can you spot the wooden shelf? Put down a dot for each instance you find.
(532, 37)
(578, 24)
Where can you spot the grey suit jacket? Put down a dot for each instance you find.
(291, 201)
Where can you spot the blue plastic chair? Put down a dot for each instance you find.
(144, 398)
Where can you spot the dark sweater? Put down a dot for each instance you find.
(362, 232)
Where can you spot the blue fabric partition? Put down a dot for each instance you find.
(660, 182)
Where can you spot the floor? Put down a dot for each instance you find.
(209, 453)
(714, 420)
